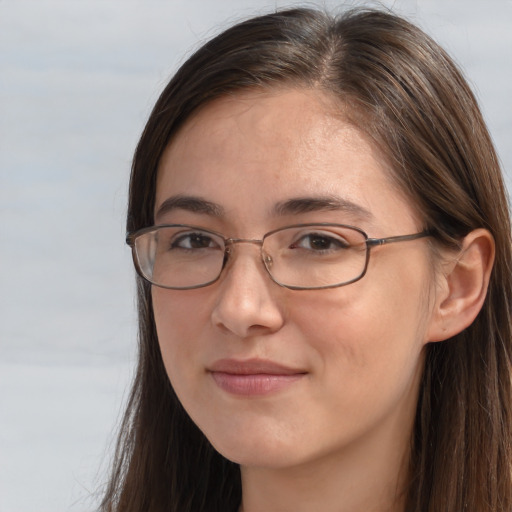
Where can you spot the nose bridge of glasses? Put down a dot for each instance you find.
(231, 242)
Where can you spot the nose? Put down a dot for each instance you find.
(246, 304)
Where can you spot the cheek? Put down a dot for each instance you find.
(368, 332)
(368, 367)
(180, 317)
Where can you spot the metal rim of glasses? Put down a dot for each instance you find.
(369, 242)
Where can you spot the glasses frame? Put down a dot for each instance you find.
(229, 242)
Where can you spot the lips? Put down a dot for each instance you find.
(253, 377)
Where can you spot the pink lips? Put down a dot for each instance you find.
(253, 377)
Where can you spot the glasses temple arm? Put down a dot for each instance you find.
(372, 242)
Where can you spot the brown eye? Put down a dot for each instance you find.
(193, 241)
(320, 242)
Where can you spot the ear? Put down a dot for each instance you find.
(462, 286)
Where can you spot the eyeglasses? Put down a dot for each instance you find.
(300, 257)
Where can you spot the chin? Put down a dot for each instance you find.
(258, 450)
(254, 457)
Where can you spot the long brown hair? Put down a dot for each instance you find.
(401, 88)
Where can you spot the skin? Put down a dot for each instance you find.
(337, 438)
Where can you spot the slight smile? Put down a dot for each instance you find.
(253, 377)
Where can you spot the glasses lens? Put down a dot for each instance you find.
(315, 256)
(179, 257)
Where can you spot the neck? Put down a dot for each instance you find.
(370, 476)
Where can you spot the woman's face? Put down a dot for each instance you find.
(277, 377)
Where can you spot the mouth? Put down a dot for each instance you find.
(253, 377)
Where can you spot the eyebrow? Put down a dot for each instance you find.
(191, 204)
(294, 206)
(299, 205)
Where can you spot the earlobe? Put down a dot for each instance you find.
(463, 287)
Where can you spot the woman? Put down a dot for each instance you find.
(320, 225)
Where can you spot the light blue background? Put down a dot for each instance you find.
(77, 81)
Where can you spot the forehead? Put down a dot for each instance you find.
(307, 119)
(273, 146)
